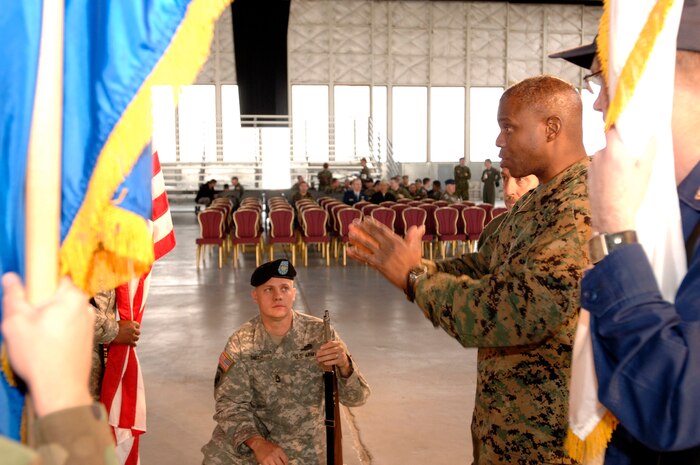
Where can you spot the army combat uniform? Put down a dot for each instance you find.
(451, 198)
(517, 299)
(106, 329)
(324, 180)
(462, 176)
(275, 391)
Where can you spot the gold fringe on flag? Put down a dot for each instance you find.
(106, 241)
(595, 443)
(637, 59)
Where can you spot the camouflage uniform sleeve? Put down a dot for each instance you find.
(106, 326)
(234, 399)
(354, 389)
(76, 436)
(474, 265)
(523, 301)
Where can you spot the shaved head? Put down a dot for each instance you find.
(546, 96)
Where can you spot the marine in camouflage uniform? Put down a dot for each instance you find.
(272, 387)
(462, 176)
(517, 299)
(325, 176)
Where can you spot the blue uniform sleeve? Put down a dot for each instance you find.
(647, 350)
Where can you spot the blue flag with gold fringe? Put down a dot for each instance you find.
(115, 51)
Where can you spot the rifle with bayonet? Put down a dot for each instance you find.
(334, 435)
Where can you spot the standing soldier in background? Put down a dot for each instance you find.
(364, 172)
(462, 176)
(490, 178)
(324, 179)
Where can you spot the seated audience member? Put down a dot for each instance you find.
(513, 189)
(325, 176)
(295, 186)
(237, 188)
(206, 193)
(382, 194)
(71, 428)
(436, 192)
(405, 182)
(370, 187)
(427, 187)
(269, 385)
(355, 193)
(397, 189)
(335, 187)
(450, 192)
(302, 193)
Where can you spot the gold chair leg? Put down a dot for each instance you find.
(221, 256)
(442, 248)
(306, 254)
(327, 247)
(430, 247)
(344, 254)
(272, 256)
(235, 256)
(294, 254)
(199, 251)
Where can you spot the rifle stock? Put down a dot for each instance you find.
(334, 435)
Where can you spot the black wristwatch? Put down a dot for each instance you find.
(413, 275)
(601, 245)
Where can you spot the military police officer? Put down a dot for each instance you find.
(269, 386)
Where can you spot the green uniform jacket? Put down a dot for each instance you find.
(75, 436)
(462, 176)
(517, 299)
(275, 392)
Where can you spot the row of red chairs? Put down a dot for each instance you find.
(220, 225)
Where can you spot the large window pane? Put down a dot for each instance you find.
(275, 158)
(410, 123)
(197, 114)
(446, 124)
(351, 117)
(593, 125)
(379, 125)
(483, 124)
(163, 101)
(240, 144)
(310, 122)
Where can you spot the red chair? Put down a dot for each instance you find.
(361, 204)
(498, 211)
(468, 203)
(367, 209)
(474, 220)
(404, 200)
(430, 217)
(247, 231)
(447, 230)
(314, 223)
(460, 219)
(386, 216)
(387, 203)
(399, 226)
(415, 216)
(415, 203)
(211, 232)
(441, 203)
(487, 207)
(345, 218)
(282, 231)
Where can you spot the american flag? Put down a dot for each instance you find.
(122, 387)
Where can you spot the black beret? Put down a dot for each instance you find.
(281, 268)
(449, 181)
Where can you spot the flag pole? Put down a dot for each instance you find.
(43, 181)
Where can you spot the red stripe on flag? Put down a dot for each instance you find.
(160, 206)
(156, 163)
(164, 245)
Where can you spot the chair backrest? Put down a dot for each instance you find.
(441, 203)
(487, 207)
(345, 217)
(247, 223)
(361, 204)
(211, 224)
(430, 217)
(460, 219)
(333, 214)
(414, 203)
(399, 225)
(413, 216)
(446, 221)
(474, 220)
(384, 215)
(387, 203)
(498, 211)
(314, 221)
(404, 200)
(367, 209)
(282, 223)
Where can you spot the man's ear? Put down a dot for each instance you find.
(254, 295)
(553, 127)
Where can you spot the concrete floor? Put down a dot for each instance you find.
(422, 381)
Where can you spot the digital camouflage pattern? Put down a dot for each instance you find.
(451, 198)
(517, 299)
(462, 176)
(325, 177)
(106, 329)
(76, 436)
(275, 392)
